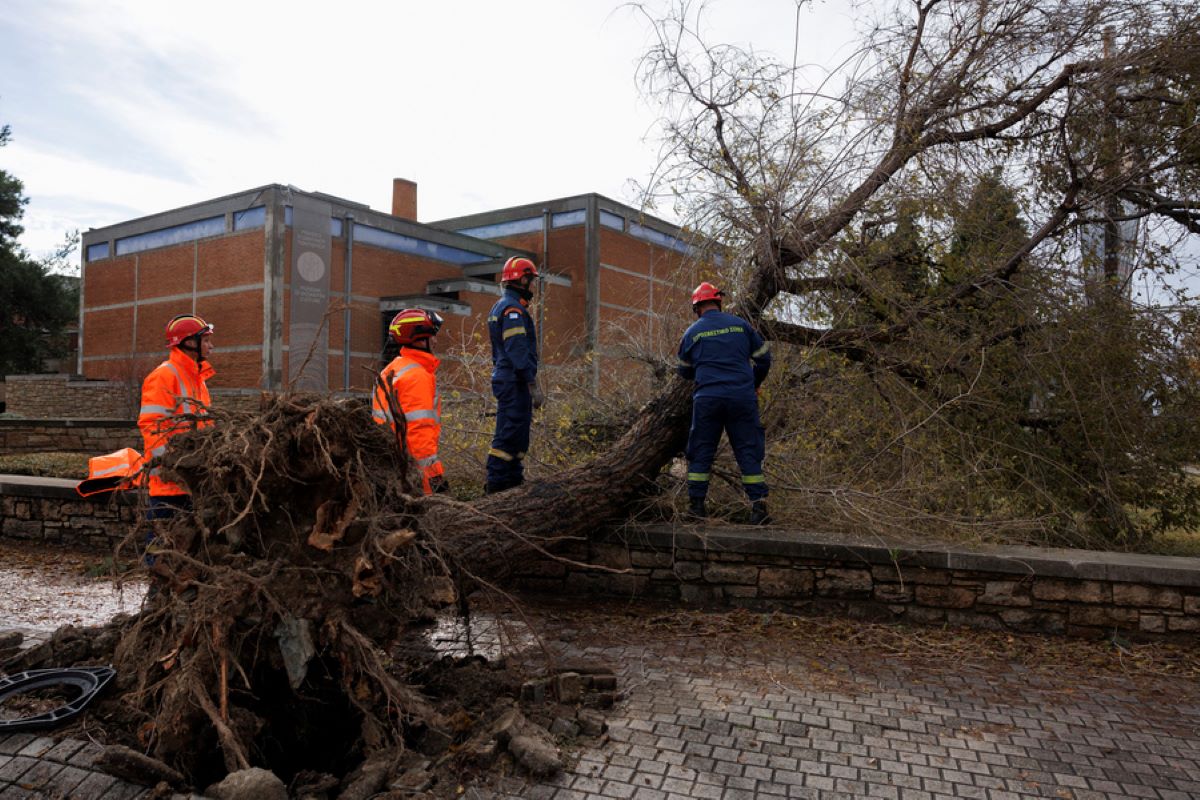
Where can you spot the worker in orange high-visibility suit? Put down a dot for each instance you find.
(411, 378)
(174, 392)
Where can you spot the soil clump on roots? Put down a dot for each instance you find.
(282, 626)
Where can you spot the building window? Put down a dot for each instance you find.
(250, 218)
(365, 234)
(97, 251)
(177, 234)
(611, 220)
(499, 229)
(564, 219)
(659, 238)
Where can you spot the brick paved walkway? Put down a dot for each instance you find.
(37, 767)
(729, 717)
(768, 721)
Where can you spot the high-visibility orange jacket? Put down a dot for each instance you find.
(176, 386)
(412, 378)
(112, 471)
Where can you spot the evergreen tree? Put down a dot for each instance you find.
(36, 305)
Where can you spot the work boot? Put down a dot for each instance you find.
(758, 513)
(696, 508)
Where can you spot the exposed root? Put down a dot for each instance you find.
(275, 604)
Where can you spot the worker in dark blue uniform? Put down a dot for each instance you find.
(718, 352)
(514, 375)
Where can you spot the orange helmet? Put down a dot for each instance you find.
(184, 327)
(414, 324)
(516, 267)
(706, 291)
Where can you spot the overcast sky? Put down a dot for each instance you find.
(125, 108)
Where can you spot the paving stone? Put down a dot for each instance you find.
(65, 782)
(15, 767)
(12, 744)
(41, 774)
(64, 750)
(94, 786)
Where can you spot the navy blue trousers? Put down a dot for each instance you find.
(514, 414)
(164, 506)
(738, 417)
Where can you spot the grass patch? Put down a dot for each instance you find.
(1176, 542)
(46, 465)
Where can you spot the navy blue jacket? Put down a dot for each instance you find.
(716, 352)
(514, 339)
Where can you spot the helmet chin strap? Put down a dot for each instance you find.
(192, 345)
(521, 287)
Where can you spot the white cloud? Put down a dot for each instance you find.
(143, 106)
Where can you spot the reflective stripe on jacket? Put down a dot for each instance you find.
(514, 339)
(412, 376)
(175, 387)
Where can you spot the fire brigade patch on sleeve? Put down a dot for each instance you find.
(513, 315)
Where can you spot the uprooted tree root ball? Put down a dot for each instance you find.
(269, 635)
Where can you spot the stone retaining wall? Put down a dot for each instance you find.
(57, 396)
(47, 510)
(1072, 592)
(94, 437)
(73, 397)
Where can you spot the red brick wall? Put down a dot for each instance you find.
(234, 260)
(165, 272)
(213, 264)
(108, 282)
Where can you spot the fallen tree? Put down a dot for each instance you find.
(270, 634)
(270, 630)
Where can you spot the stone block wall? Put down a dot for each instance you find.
(1064, 592)
(47, 510)
(93, 437)
(71, 397)
(1057, 592)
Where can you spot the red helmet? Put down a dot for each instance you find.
(184, 327)
(516, 267)
(706, 291)
(414, 324)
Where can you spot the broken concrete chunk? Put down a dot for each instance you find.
(249, 784)
(536, 753)
(603, 683)
(600, 699)
(591, 723)
(564, 727)
(568, 687)
(534, 691)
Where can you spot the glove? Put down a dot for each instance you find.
(535, 393)
(438, 484)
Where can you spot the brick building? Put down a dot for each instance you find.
(300, 285)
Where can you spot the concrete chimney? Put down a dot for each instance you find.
(404, 199)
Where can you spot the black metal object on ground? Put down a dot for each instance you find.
(89, 681)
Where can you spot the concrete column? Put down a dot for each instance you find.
(591, 240)
(275, 232)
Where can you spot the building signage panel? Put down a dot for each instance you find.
(308, 333)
